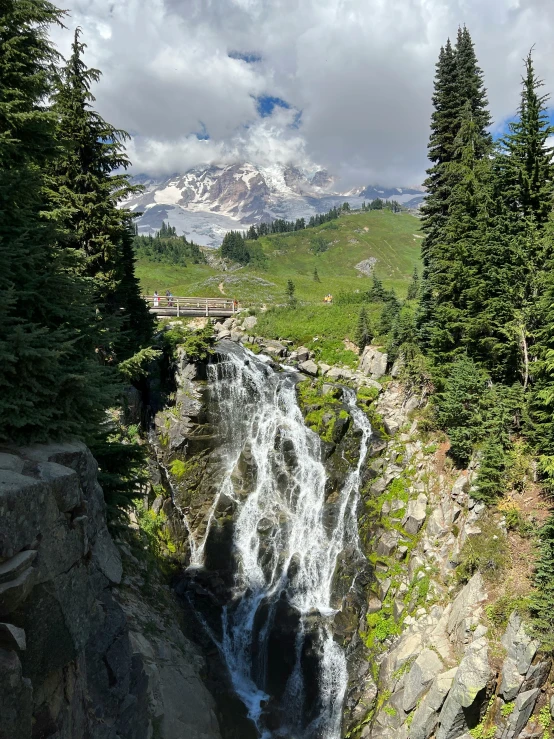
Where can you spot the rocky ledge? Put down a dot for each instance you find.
(75, 660)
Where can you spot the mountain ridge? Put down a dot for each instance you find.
(204, 203)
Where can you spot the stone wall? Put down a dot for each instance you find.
(73, 660)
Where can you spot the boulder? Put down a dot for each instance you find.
(387, 543)
(523, 708)
(520, 647)
(415, 514)
(383, 587)
(335, 373)
(426, 715)
(302, 354)
(249, 323)
(461, 616)
(536, 675)
(512, 680)
(374, 604)
(373, 362)
(422, 673)
(309, 367)
(462, 706)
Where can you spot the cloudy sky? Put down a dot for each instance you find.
(343, 84)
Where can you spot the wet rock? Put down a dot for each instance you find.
(302, 354)
(12, 637)
(374, 604)
(340, 428)
(422, 673)
(415, 514)
(333, 390)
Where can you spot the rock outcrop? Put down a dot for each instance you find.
(71, 665)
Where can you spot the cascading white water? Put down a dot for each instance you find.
(285, 547)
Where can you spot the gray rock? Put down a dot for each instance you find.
(11, 462)
(157, 504)
(408, 647)
(16, 698)
(374, 604)
(302, 354)
(536, 675)
(468, 690)
(463, 609)
(12, 637)
(224, 334)
(415, 514)
(552, 706)
(13, 567)
(309, 367)
(422, 673)
(523, 708)
(383, 587)
(249, 323)
(426, 715)
(275, 348)
(14, 592)
(512, 680)
(373, 362)
(437, 526)
(397, 367)
(335, 373)
(460, 488)
(521, 648)
(387, 543)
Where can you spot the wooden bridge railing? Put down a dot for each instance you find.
(199, 306)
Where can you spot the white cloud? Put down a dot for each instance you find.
(361, 72)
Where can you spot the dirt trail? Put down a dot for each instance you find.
(221, 290)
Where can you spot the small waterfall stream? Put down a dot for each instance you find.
(286, 546)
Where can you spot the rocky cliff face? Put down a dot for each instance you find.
(443, 658)
(75, 657)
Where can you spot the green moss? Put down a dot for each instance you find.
(390, 710)
(507, 709)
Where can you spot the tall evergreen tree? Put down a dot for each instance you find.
(363, 333)
(87, 184)
(458, 83)
(413, 287)
(50, 380)
(454, 266)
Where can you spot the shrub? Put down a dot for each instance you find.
(486, 553)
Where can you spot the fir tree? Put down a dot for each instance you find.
(458, 84)
(363, 333)
(85, 189)
(413, 287)
(376, 292)
(291, 292)
(51, 384)
(542, 603)
(316, 276)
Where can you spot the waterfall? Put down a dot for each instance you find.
(285, 548)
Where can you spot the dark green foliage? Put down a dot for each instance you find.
(459, 407)
(51, 384)
(316, 276)
(234, 248)
(542, 602)
(486, 553)
(196, 344)
(403, 337)
(319, 244)
(168, 248)
(376, 292)
(121, 469)
(291, 292)
(364, 333)
(459, 98)
(413, 287)
(389, 314)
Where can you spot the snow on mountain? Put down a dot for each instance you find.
(206, 202)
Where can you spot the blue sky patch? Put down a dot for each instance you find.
(266, 104)
(250, 57)
(202, 134)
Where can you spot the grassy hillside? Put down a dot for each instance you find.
(393, 239)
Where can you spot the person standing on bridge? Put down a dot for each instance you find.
(156, 299)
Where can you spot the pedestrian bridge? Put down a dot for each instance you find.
(178, 306)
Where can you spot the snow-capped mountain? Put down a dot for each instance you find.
(206, 202)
